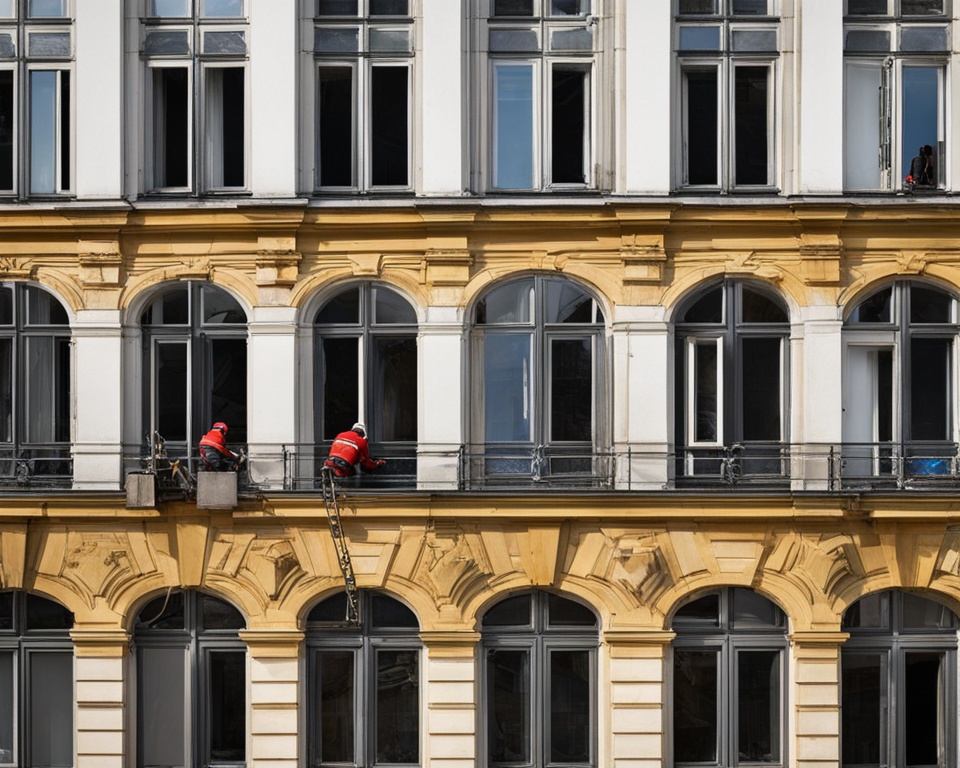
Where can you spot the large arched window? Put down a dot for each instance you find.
(899, 387)
(538, 392)
(363, 690)
(729, 675)
(732, 361)
(36, 682)
(899, 682)
(191, 682)
(539, 682)
(195, 364)
(34, 385)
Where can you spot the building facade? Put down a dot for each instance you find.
(635, 297)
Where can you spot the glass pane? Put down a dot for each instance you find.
(389, 126)
(921, 7)
(507, 387)
(43, 614)
(699, 39)
(568, 613)
(753, 40)
(46, 9)
(509, 303)
(6, 305)
(47, 384)
(569, 117)
(697, 7)
(389, 7)
(762, 388)
(335, 131)
(923, 39)
(567, 303)
(923, 704)
(864, 686)
(219, 614)
(862, 125)
(6, 137)
(571, 40)
(342, 308)
(867, 7)
(171, 127)
(337, 8)
(388, 612)
(6, 390)
(222, 8)
(335, 694)
(706, 391)
(49, 43)
(164, 612)
(876, 308)
(921, 125)
(749, 7)
(43, 308)
(6, 610)
(706, 309)
(397, 708)
(508, 717)
(7, 707)
(388, 40)
(228, 385)
(169, 8)
(571, 390)
(512, 8)
(43, 131)
(220, 307)
(751, 124)
(162, 702)
(869, 612)
(225, 126)
(228, 705)
(568, 7)
(700, 126)
(866, 40)
(8, 9)
(51, 709)
(570, 697)
(757, 307)
(340, 384)
(391, 308)
(166, 41)
(758, 710)
(921, 613)
(225, 42)
(929, 305)
(395, 371)
(333, 609)
(753, 611)
(930, 388)
(170, 390)
(8, 50)
(513, 127)
(506, 40)
(694, 706)
(336, 40)
(703, 612)
(511, 612)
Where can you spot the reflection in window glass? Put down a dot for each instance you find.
(511, 612)
(337, 8)
(509, 303)
(170, 8)
(570, 706)
(929, 305)
(512, 7)
(7, 707)
(335, 693)
(863, 681)
(397, 694)
(921, 104)
(700, 121)
(695, 682)
(513, 133)
(223, 8)
(758, 696)
(389, 118)
(51, 708)
(875, 308)
(508, 387)
(46, 9)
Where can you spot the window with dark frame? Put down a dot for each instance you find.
(195, 54)
(36, 111)
(729, 681)
(191, 682)
(727, 53)
(898, 682)
(364, 57)
(896, 56)
(539, 682)
(541, 70)
(363, 694)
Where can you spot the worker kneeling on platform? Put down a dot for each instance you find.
(214, 452)
(349, 449)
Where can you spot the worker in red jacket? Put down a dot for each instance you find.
(214, 452)
(348, 450)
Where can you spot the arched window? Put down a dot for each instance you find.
(538, 384)
(732, 361)
(729, 675)
(899, 387)
(195, 364)
(899, 682)
(34, 385)
(191, 682)
(363, 694)
(539, 682)
(36, 682)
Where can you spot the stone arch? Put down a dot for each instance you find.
(310, 293)
(778, 283)
(141, 290)
(866, 285)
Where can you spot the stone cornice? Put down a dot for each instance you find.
(100, 643)
(451, 644)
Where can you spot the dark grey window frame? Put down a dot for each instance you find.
(728, 642)
(363, 642)
(539, 638)
(894, 641)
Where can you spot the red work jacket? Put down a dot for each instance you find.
(352, 448)
(214, 439)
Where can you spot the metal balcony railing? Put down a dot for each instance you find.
(302, 463)
(496, 466)
(889, 465)
(36, 466)
(763, 463)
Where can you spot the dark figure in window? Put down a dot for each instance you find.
(923, 172)
(213, 449)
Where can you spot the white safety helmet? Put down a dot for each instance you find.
(359, 429)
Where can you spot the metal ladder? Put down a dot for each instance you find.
(340, 544)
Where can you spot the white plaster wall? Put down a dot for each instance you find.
(820, 109)
(438, 106)
(273, 112)
(440, 393)
(821, 408)
(98, 102)
(98, 398)
(644, 146)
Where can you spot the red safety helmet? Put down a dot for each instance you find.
(221, 426)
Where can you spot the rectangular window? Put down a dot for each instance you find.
(508, 387)
(513, 143)
(863, 126)
(395, 368)
(752, 125)
(571, 390)
(171, 374)
(701, 130)
(224, 127)
(164, 717)
(336, 95)
(397, 707)
(341, 384)
(171, 127)
(227, 705)
(228, 386)
(758, 706)
(864, 686)
(7, 130)
(6, 390)
(930, 388)
(389, 119)
(570, 726)
(923, 708)
(49, 131)
(761, 388)
(570, 115)
(704, 391)
(508, 697)
(48, 372)
(8, 708)
(921, 120)
(50, 683)
(695, 702)
(335, 697)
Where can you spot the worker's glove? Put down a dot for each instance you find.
(381, 462)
